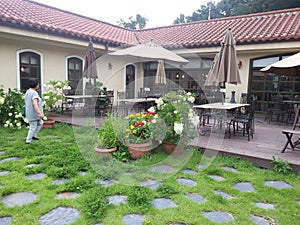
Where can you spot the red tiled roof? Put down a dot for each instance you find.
(281, 25)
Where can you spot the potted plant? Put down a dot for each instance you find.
(53, 93)
(108, 141)
(138, 133)
(176, 112)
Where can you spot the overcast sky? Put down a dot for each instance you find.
(158, 12)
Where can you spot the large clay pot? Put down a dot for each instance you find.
(138, 150)
(48, 123)
(169, 147)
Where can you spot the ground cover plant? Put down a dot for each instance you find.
(58, 156)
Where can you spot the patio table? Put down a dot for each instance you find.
(218, 112)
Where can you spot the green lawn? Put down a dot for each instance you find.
(61, 155)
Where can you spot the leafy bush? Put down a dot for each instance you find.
(94, 202)
(281, 166)
(140, 197)
(11, 104)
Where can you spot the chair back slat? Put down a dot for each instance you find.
(297, 117)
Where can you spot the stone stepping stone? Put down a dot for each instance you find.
(244, 187)
(231, 169)
(19, 199)
(60, 181)
(216, 177)
(186, 181)
(3, 173)
(117, 199)
(278, 184)
(196, 197)
(36, 176)
(60, 215)
(163, 169)
(188, 171)
(83, 173)
(10, 159)
(2, 153)
(64, 195)
(200, 166)
(106, 183)
(259, 220)
(5, 220)
(151, 184)
(99, 224)
(133, 219)
(298, 202)
(223, 194)
(32, 165)
(163, 203)
(265, 205)
(218, 217)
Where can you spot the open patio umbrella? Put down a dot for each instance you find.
(90, 68)
(225, 65)
(289, 66)
(150, 51)
(160, 77)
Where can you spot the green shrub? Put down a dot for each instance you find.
(140, 197)
(281, 166)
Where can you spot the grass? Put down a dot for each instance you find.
(60, 156)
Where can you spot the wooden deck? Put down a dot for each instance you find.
(268, 141)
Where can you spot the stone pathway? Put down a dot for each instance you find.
(68, 215)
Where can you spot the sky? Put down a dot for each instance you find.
(158, 12)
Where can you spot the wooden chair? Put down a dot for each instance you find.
(246, 121)
(289, 133)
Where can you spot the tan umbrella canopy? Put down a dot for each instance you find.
(150, 51)
(289, 66)
(90, 68)
(225, 65)
(160, 77)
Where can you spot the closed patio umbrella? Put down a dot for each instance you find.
(160, 77)
(225, 65)
(289, 66)
(90, 68)
(150, 51)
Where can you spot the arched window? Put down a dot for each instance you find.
(74, 71)
(29, 67)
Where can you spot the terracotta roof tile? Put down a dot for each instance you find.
(281, 25)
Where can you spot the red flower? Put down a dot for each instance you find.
(142, 135)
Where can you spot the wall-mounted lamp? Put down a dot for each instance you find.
(177, 75)
(182, 76)
(110, 66)
(240, 64)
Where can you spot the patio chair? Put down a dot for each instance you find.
(245, 121)
(109, 101)
(122, 105)
(289, 133)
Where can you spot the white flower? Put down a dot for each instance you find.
(159, 102)
(191, 99)
(178, 128)
(175, 112)
(193, 118)
(9, 114)
(1, 100)
(45, 118)
(18, 124)
(6, 125)
(188, 94)
(26, 120)
(11, 107)
(46, 97)
(7, 122)
(151, 109)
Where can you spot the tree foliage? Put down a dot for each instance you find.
(225, 8)
(139, 22)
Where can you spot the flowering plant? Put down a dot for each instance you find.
(10, 109)
(139, 127)
(53, 93)
(175, 109)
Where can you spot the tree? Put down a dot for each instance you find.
(225, 8)
(138, 23)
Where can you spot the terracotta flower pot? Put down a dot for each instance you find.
(138, 150)
(169, 147)
(48, 123)
(100, 151)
